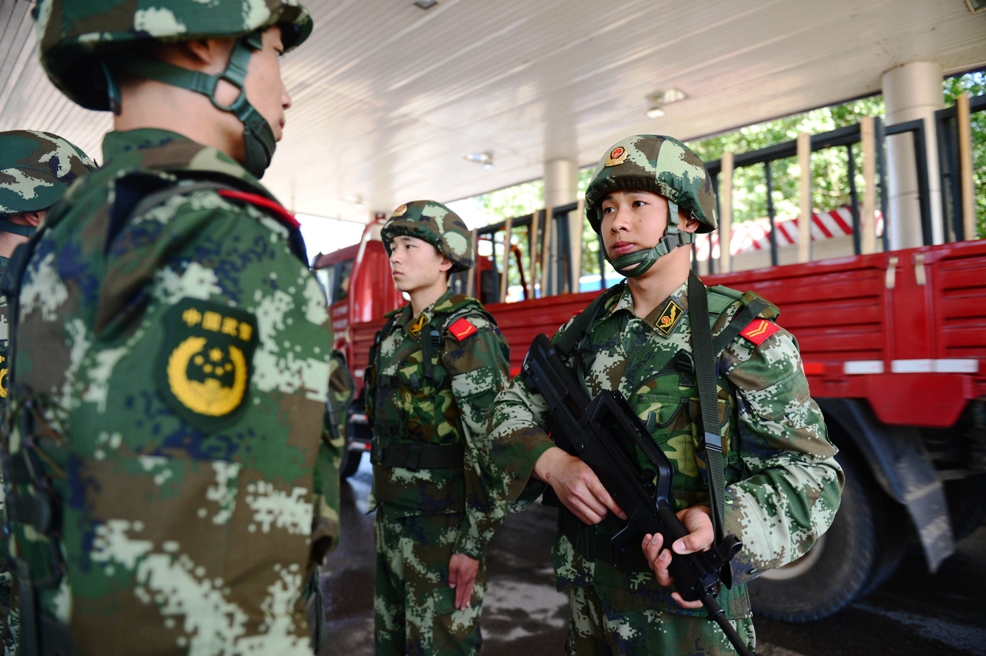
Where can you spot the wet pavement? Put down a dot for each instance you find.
(913, 613)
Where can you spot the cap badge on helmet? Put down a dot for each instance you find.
(617, 156)
(400, 211)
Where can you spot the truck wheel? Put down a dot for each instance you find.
(350, 463)
(836, 569)
(892, 522)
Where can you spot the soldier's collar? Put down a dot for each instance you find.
(413, 325)
(169, 151)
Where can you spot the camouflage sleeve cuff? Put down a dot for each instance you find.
(779, 513)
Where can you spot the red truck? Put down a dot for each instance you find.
(894, 347)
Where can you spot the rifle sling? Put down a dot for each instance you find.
(705, 374)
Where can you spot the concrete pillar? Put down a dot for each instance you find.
(912, 91)
(561, 187)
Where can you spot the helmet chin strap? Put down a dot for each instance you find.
(637, 263)
(258, 138)
(17, 228)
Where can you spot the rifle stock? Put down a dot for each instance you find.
(597, 431)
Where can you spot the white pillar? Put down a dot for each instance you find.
(561, 187)
(912, 91)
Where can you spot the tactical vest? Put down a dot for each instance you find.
(662, 389)
(416, 422)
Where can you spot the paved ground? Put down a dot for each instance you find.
(914, 613)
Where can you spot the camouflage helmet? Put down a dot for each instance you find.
(435, 224)
(76, 37)
(35, 169)
(659, 164)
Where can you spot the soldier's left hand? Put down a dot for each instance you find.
(701, 535)
(462, 571)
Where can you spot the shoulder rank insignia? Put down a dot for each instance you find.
(462, 328)
(759, 330)
(670, 316)
(204, 366)
(273, 207)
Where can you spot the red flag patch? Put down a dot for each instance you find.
(462, 329)
(759, 330)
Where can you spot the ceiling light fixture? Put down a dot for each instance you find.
(486, 159)
(425, 4)
(659, 99)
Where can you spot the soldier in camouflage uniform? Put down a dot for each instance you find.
(171, 359)
(649, 195)
(35, 169)
(436, 367)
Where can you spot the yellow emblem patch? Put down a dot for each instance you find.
(670, 316)
(617, 156)
(204, 369)
(3, 378)
(418, 325)
(400, 211)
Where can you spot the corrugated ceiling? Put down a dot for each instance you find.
(389, 98)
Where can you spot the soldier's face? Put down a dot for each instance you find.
(264, 87)
(416, 265)
(633, 221)
(637, 220)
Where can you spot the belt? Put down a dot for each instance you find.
(419, 456)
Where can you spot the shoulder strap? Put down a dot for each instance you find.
(568, 341)
(705, 373)
(737, 324)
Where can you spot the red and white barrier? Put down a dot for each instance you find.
(755, 235)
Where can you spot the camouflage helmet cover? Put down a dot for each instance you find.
(435, 224)
(659, 164)
(76, 36)
(35, 169)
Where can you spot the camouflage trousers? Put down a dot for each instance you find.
(598, 627)
(414, 607)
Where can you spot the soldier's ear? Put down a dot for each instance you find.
(206, 55)
(686, 223)
(445, 265)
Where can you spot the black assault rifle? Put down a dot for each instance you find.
(597, 431)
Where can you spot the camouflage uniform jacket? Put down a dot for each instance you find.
(176, 374)
(783, 487)
(469, 367)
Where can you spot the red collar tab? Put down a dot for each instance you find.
(759, 330)
(462, 329)
(272, 206)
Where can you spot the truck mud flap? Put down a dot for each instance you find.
(902, 467)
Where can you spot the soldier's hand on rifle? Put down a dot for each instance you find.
(462, 571)
(576, 486)
(701, 535)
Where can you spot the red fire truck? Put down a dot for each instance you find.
(894, 346)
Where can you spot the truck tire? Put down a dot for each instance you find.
(834, 572)
(350, 463)
(892, 523)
